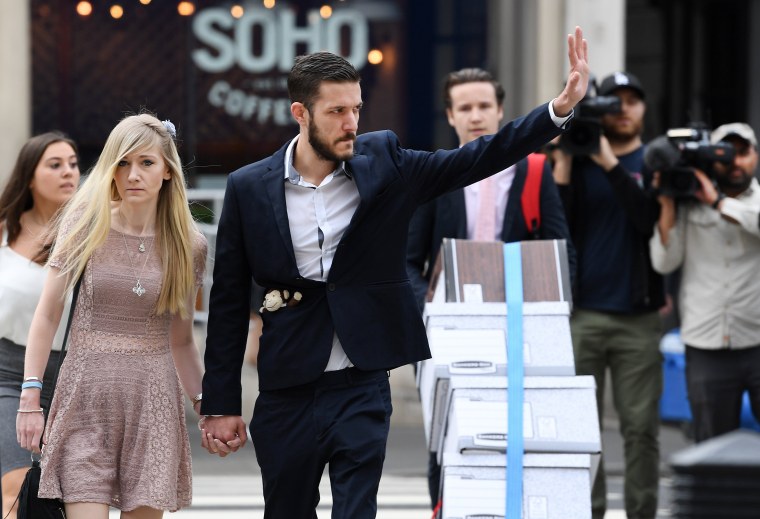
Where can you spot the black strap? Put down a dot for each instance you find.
(74, 297)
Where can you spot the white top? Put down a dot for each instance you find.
(720, 288)
(21, 281)
(318, 217)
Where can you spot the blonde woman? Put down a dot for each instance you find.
(44, 178)
(116, 432)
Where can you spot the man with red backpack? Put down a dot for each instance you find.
(519, 203)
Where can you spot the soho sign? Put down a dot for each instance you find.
(230, 41)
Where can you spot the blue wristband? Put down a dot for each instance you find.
(32, 384)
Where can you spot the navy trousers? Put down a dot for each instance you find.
(341, 421)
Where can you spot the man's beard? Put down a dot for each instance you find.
(322, 148)
(739, 185)
(621, 137)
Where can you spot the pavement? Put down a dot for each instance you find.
(230, 488)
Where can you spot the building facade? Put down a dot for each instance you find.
(218, 68)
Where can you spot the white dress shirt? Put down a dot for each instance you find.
(318, 216)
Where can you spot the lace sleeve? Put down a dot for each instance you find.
(59, 255)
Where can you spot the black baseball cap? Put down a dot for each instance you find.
(620, 80)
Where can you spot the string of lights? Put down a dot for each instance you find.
(187, 8)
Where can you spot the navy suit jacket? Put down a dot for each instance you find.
(367, 298)
(446, 217)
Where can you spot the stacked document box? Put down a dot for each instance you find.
(464, 389)
(559, 415)
(470, 339)
(554, 486)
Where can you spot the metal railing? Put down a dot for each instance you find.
(210, 198)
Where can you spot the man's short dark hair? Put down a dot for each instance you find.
(470, 75)
(310, 70)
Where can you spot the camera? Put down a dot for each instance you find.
(582, 138)
(677, 153)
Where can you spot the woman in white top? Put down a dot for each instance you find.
(44, 178)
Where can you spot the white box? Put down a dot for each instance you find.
(555, 486)
(546, 330)
(456, 352)
(559, 415)
(470, 339)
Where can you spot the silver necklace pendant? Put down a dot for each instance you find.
(138, 289)
(141, 248)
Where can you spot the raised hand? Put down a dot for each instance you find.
(577, 80)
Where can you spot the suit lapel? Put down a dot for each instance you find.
(358, 168)
(274, 179)
(511, 213)
(457, 213)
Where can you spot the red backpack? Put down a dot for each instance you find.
(530, 199)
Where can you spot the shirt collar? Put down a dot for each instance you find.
(294, 177)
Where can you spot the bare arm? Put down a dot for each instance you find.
(187, 359)
(47, 316)
(666, 246)
(563, 164)
(667, 218)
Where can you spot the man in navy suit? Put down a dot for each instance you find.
(474, 100)
(322, 226)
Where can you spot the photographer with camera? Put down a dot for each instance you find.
(615, 325)
(714, 237)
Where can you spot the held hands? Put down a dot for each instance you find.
(222, 434)
(577, 80)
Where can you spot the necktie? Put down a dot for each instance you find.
(485, 226)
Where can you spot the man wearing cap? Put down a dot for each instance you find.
(715, 239)
(615, 325)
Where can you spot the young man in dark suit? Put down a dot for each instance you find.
(474, 100)
(322, 226)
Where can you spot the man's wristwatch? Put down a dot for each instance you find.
(721, 196)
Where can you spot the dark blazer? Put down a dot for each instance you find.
(446, 217)
(368, 299)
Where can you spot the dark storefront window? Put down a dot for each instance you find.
(221, 79)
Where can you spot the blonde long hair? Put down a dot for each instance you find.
(86, 220)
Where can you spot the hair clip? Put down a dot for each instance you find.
(170, 128)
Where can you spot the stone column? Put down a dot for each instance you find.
(15, 81)
(603, 23)
(528, 45)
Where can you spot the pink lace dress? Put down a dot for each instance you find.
(116, 432)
